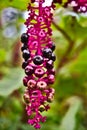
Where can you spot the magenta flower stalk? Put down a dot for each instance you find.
(38, 61)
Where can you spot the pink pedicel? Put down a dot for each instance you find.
(37, 51)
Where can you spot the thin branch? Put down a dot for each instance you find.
(63, 32)
(82, 46)
(64, 58)
(65, 55)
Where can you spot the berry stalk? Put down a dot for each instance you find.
(38, 61)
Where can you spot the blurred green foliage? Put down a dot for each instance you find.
(20, 4)
(69, 109)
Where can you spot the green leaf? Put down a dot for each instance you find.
(80, 64)
(81, 128)
(2, 55)
(83, 20)
(69, 120)
(20, 4)
(11, 82)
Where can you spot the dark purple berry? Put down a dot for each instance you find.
(24, 47)
(57, 1)
(51, 79)
(26, 54)
(52, 71)
(32, 1)
(53, 57)
(25, 80)
(38, 60)
(29, 70)
(24, 38)
(24, 64)
(47, 53)
(49, 64)
(53, 47)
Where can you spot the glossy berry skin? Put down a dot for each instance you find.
(26, 54)
(57, 1)
(24, 64)
(52, 71)
(53, 47)
(29, 70)
(24, 38)
(24, 47)
(49, 64)
(38, 60)
(53, 57)
(32, 1)
(47, 52)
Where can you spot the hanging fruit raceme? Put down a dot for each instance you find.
(37, 51)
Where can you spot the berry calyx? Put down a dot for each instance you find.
(41, 85)
(31, 83)
(39, 72)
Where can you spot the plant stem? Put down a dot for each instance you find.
(63, 32)
(64, 58)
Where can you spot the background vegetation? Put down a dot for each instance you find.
(69, 109)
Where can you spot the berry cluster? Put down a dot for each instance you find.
(37, 51)
(77, 5)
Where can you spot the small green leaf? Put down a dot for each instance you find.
(69, 120)
(2, 55)
(20, 4)
(11, 82)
